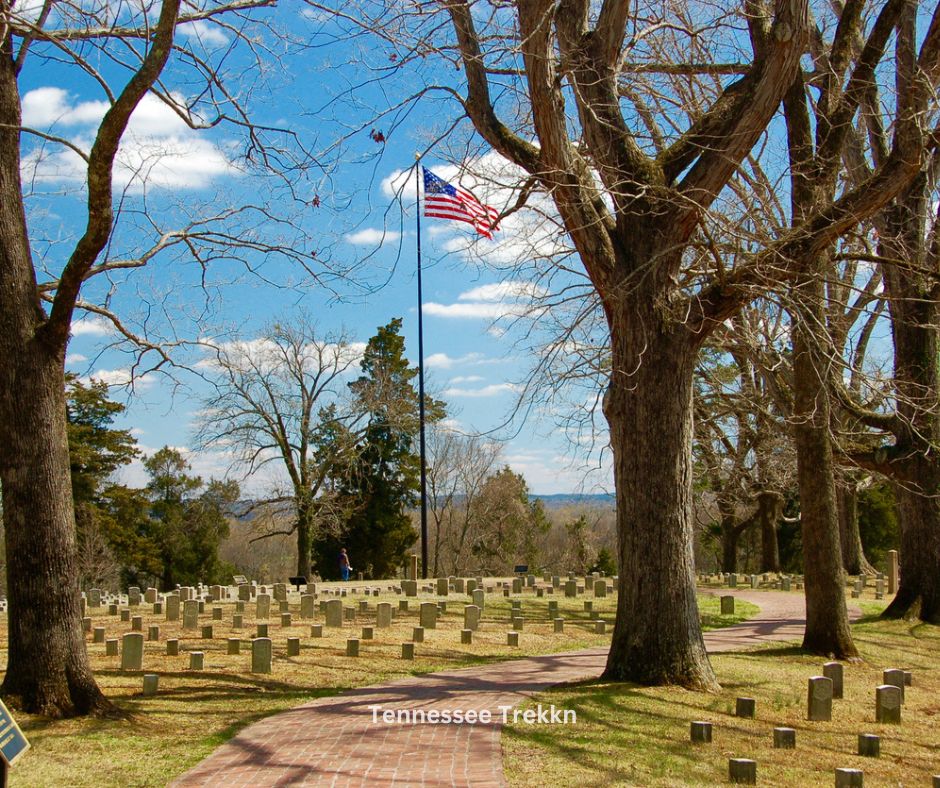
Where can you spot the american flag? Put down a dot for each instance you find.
(445, 201)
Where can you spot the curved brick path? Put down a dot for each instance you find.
(333, 741)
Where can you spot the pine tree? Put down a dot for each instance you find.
(384, 481)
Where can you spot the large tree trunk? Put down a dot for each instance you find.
(47, 667)
(731, 531)
(769, 512)
(729, 546)
(827, 622)
(915, 326)
(304, 537)
(853, 555)
(919, 590)
(657, 638)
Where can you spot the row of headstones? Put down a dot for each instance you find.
(132, 651)
(744, 770)
(889, 697)
(334, 610)
(95, 598)
(861, 583)
(733, 580)
(516, 586)
(192, 608)
(262, 653)
(822, 690)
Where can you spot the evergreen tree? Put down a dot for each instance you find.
(383, 482)
(96, 449)
(107, 515)
(187, 520)
(878, 522)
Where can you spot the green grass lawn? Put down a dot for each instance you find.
(639, 736)
(195, 712)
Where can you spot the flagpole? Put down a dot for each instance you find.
(424, 495)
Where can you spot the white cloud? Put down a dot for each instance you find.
(91, 326)
(443, 361)
(47, 106)
(75, 358)
(487, 391)
(490, 302)
(502, 291)
(120, 378)
(159, 148)
(266, 356)
(465, 379)
(474, 311)
(371, 236)
(202, 30)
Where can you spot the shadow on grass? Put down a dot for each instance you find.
(619, 717)
(770, 651)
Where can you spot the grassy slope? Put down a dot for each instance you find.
(631, 735)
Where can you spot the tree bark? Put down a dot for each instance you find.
(853, 554)
(919, 590)
(657, 637)
(827, 622)
(47, 667)
(304, 537)
(914, 305)
(769, 512)
(731, 531)
(729, 546)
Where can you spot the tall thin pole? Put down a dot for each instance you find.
(424, 474)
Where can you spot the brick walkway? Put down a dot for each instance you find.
(334, 742)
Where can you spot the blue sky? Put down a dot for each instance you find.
(353, 208)
(471, 359)
(470, 362)
(169, 174)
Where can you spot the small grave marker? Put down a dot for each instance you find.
(261, 655)
(700, 732)
(850, 778)
(132, 651)
(151, 682)
(869, 745)
(742, 771)
(819, 699)
(784, 738)
(888, 704)
(833, 670)
(745, 707)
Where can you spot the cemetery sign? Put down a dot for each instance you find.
(12, 741)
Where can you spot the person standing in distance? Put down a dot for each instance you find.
(344, 567)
